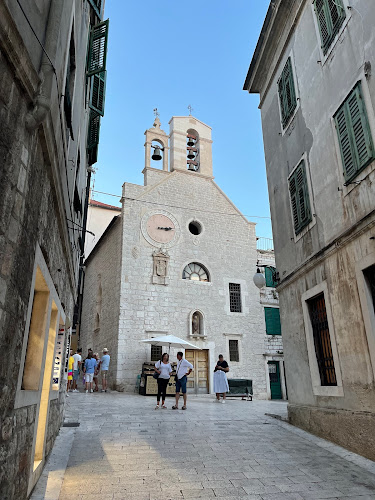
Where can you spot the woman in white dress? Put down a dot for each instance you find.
(221, 386)
(164, 368)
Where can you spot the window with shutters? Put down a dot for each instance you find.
(270, 275)
(330, 15)
(97, 6)
(287, 93)
(69, 86)
(234, 352)
(272, 317)
(299, 198)
(354, 134)
(97, 53)
(97, 92)
(322, 340)
(93, 137)
(235, 297)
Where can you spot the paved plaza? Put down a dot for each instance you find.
(124, 449)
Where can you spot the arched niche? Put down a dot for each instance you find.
(197, 324)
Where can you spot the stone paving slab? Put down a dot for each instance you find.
(124, 449)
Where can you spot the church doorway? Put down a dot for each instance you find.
(198, 379)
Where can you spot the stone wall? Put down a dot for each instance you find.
(102, 269)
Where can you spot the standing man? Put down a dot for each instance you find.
(89, 369)
(104, 366)
(184, 368)
(76, 366)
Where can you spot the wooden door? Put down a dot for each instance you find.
(275, 382)
(198, 379)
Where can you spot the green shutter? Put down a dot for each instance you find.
(287, 93)
(97, 6)
(97, 92)
(354, 134)
(97, 55)
(93, 137)
(299, 198)
(269, 274)
(330, 15)
(272, 317)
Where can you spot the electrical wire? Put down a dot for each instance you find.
(183, 208)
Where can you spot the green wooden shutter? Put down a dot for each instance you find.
(269, 276)
(97, 6)
(299, 198)
(93, 137)
(272, 317)
(97, 54)
(97, 93)
(330, 15)
(354, 134)
(287, 93)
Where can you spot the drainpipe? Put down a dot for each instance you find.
(42, 101)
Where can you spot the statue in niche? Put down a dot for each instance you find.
(196, 324)
(160, 267)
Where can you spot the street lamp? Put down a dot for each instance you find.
(259, 279)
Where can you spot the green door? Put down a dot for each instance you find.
(275, 382)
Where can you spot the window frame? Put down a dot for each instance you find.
(285, 127)
(306, 227)
(317, 388)
(268, 278)
(265, 320)
(238, 351)
(235, 292)
(361, 89)
(348, 14)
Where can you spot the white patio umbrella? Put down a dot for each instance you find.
(171, 341)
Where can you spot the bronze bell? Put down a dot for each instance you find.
(192, 167)
(191, 154)
(191, 141)
(156, 155)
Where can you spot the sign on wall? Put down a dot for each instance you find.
(59, 359)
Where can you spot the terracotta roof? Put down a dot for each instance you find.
(94, 203)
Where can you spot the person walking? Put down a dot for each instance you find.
(164, 369)
(104, 367)
(184, 368)
(76, 366)
(90, 365)
(70, 372)
(221, 386)
(96, 372)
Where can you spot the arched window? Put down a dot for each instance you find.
(195, 272)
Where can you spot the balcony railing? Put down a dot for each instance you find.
(265, 243)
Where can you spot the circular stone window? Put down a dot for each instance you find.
(195, 228)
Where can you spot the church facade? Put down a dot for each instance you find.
(179, 260)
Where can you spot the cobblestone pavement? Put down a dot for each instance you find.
(124, 449)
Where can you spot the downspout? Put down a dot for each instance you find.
(47, 72)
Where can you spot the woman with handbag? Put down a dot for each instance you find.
(162, 373)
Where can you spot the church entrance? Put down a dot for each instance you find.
(198, 379)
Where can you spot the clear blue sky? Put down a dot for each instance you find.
(170, 54)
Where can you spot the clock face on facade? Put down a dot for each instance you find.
(160, 228)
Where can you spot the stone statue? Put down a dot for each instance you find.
(161, 267)
(196, 324)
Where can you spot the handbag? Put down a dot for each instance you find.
(156, 375)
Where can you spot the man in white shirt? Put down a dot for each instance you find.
(77, 363)
(184, 368)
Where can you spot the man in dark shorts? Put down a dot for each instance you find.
(184, 368)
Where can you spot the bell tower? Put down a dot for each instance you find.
(156, 145)
(191, 145)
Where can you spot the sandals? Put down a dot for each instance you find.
(184, 408)
(174, 407)
(164, 407)
(156, 407)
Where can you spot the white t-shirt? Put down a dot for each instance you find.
(165, 369)
(183, 366)
(76, 357)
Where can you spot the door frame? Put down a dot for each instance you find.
(280, 359)
(208, 368)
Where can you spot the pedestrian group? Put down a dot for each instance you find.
(91, 367)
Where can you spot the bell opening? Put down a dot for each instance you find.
(157, 153)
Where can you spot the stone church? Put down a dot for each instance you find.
(179, 259)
